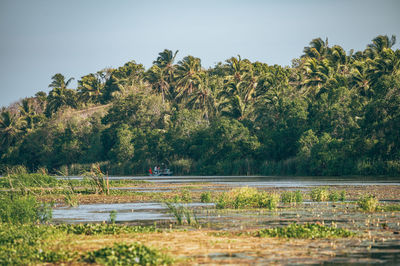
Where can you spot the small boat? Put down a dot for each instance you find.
(164, 172)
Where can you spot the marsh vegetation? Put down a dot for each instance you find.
(191, 219)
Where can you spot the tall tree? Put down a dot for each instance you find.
(58, 81)
(188, 76)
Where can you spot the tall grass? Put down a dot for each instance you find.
(25, 180)
(292, 197)
(97, 180)
(181, 213)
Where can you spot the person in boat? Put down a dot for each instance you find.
(155, 170)
(150, 171)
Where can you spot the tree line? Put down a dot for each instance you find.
(329, 113)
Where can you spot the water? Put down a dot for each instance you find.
(126, 212)
(266, 181)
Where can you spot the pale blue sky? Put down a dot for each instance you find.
(42, 37)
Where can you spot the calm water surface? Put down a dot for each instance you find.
(266, 181)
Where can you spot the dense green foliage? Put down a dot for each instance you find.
(104, 229)
(292, 197)
(305, 231)
(127, 254)
(246, 197)
(368, 203)
(22, 209)
(24, 244)
(330, 113)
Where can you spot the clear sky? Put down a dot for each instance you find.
(42, 37)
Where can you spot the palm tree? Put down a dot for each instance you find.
(28, 113)
(318, 49)
(239, 89)
(203, 97)
(59, 81)
(188, 76)
(359, 78)
(91, 87)
(379, 44)
(166, 59)
(316, 74)
(10, 128)
(158, 79)
(59, 97)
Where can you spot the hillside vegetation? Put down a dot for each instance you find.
(330, 113)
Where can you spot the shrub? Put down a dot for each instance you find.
(104, 229)
(186, 195)
(291, 197)
(246, 197)
(205, 197)
(342, 196)
(334, 196)
(23, 244)
(304, 231)
(319, 194)
(127, 254)
(368, 203)
(23, 209)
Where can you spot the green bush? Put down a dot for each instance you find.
(334, 196)
(291, 197)
(127, 254)
(304, 231)
(319, 194)
(25, 244)
(205, 197)
(246, 197)
(23, 209)
(368, 203)
(342, 196)
(104, 229)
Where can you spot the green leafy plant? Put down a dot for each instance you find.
(205, 197)
(180, 212)
(334, 196)
(342, 196)
(127, 254)
(305, 231)
(292, 197)
(319, 194)
(247, 198)
(25, 244)
(104, 229)
(113, 216)
(70, 199)
(23, 209)
(368, 203)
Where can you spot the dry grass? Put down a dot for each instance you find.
(203, 247)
